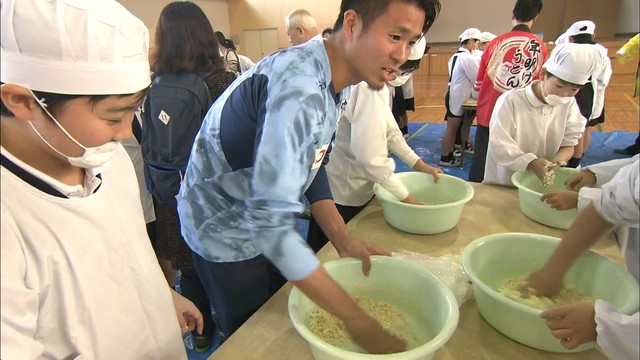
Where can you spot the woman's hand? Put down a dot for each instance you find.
(573, 324)
(561, 200)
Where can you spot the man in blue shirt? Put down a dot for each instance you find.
(260, 155)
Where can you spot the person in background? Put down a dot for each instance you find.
(245, 63)
(228, 52)
(463, 69)
(79, 276)
(301, 27)
(185, 43)
(402, 98)
(628, 51)
(259, 158)
(618, 203)
(485, 38)
(326, 33)
(541, 123)
(511, 61)
(590, 98)
(360, 158)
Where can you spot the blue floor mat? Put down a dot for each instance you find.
(427, 142)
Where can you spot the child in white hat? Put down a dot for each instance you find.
(463, 70)
(590, 98)
(540, 124)
(79, 276)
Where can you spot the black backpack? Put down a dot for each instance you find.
(172, 115)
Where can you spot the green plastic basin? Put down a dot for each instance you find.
(444, 202)
(428, 304)
(529, 192)
(491, 260)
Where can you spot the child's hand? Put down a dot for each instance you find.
(412, 200)
(540, 167)
(189, 317)
(573, 324)
(561, 200)
(434, 171)
(583, 178)
(544, 283)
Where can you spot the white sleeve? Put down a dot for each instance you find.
(470, 66)
(617, 333)
(619, 201)
(606, 170)
(602, 81)
(504, 148)
(369, 138)
(398, 145)
(575, 125)
(19, 303)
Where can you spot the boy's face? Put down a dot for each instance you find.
(91, 124)
(556, 86)
(377, 53)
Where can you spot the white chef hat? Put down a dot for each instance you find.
(486, 37)
(471, 33)
(581, 27)
(417, 50)
(573, 63)
(74, 47)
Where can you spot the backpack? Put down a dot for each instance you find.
(172, 115)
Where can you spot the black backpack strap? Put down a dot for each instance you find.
(453, 64)
(137, 129)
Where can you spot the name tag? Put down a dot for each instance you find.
(320, 153)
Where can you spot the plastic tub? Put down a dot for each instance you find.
(428, 304)
(529, 192)
(444, 202)
(491, 260)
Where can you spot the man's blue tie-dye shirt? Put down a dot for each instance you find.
(259, 152)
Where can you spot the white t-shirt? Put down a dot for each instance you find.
(79, 277)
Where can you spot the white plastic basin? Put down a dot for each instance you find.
(427, 302)
(444, 202)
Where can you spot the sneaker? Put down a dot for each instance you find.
(468, 148)
(457, 151)
(203, 343)
(450, 161)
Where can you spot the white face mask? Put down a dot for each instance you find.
(399, 80)
(552, 99)
(92, 158)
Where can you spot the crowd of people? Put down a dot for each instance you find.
(89, 248)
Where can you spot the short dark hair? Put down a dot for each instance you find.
(185, 41)
(227, 43)
(369, 10)
(56, 102)
(327, 31)
(467, 41)
(582, 39)
(526, 10)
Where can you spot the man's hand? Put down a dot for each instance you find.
(561, 200)
(573, 324)
(372, 337)
(359, 249)
(583, 178)
(189, 317)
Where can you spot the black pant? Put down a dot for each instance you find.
(476, 173)
(316, 238)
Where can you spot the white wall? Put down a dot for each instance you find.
(149, 10)
(629, 17)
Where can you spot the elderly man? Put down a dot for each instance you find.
(301, 27)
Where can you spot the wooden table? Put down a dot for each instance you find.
(470, 104)
(269, 334)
